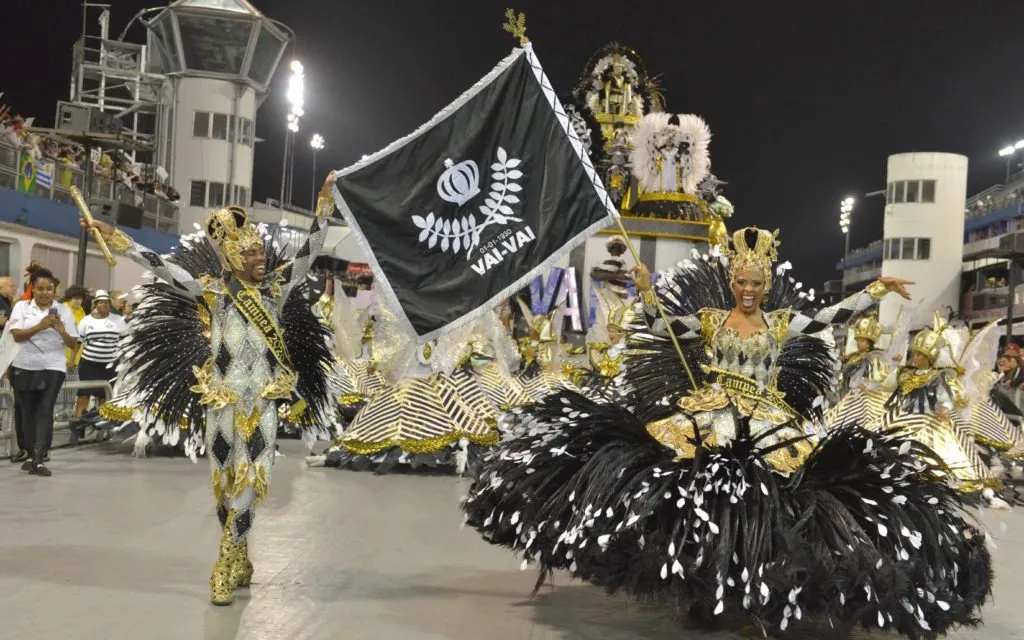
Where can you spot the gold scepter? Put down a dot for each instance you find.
(83, 209)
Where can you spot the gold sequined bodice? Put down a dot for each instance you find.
(753, 356)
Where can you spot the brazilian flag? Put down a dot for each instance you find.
(26, 174)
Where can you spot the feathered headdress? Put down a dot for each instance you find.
(756, 250)
(230, 231)
(682, 138)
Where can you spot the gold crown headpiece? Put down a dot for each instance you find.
(867, 328)
(231, 231)
(929, 342)
(754, 250)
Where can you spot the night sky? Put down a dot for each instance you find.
(805, 99)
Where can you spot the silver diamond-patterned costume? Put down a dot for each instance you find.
(220, 356)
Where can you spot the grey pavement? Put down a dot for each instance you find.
(114, 548)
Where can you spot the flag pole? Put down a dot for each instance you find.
(516, 26)
(657, 302)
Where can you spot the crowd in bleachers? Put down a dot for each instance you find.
(113, 165)
(995, 200)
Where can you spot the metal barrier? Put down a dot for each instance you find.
(63, 410)
(6, 419)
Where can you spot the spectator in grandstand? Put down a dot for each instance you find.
(98, 333)
(74, 299)
(44, 329)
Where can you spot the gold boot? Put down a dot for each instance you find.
(241, 567)
(222, 588)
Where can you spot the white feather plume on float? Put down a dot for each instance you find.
(655, 139)
(347, 325)
(899, 334)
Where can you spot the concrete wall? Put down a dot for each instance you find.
(36, 228)
(942, 221)
(212, 160)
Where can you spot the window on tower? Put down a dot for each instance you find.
(912, 190)
(246, 131)
(220, 126)
(197, 193)
(216, 194)
(201, 124)
(927, 191)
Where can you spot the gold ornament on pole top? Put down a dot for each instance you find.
(516, 25)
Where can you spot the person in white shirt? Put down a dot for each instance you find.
(43, 330)
(99, 333)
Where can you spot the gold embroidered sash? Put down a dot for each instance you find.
(249, 302)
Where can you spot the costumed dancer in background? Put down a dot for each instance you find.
(866, 366)
(491, 357)
(217, 355)
(434, 415)
(943, 396)
(1009, 382)
(541, 372)
(358, 356)
(606, 345)
(714, 497)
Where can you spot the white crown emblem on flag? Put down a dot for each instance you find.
(460, 183)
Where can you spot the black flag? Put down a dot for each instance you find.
(461, 213)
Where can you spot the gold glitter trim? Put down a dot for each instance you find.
(671, 196)
(876, 290)
(350, 399)
(911, 380)
(231, 482)
(428, 445)
(246, 425)
(281, 387)
(116, 413)
(212, 393)
(120, 242)
(324, 207)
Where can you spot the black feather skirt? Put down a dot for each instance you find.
(865, 534)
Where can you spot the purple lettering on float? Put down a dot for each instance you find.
(569, 294)
(560, 289)
(542, 295)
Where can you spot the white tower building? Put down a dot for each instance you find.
(218, 58)
(924, 231)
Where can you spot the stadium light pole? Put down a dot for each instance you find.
(296, 100)
(845, 213)
(1007, 152)
(318, 144)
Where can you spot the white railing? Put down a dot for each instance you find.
(157, 213)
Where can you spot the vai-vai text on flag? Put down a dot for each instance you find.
(464, 211)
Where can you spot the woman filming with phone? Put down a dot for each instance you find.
(43, 330)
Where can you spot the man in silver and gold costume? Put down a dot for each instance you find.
(260, 347)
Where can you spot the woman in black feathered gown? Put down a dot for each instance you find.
(726, 495)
